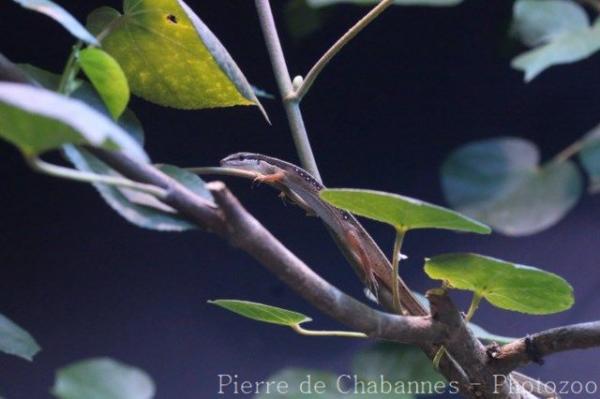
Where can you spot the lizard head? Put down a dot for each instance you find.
(249, 161)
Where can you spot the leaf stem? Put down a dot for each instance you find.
(438, 357)
(473, 307)
(71, 70)
(312, 333)
(396, 257)
(72, 174)
(569, 151)
(337, 46)
(217, 170)
(286, 89)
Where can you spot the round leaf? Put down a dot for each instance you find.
(61, 16)
(401, 212)
(264, 313)
(565, 48)
(107, 77)
(170, 57)
(536, 22)
(102, 378)
(500, 182)
(38, 120)
(16, 341)
(506, 285)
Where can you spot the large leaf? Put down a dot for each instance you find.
(500, 182)
(143, 210)
(107, 77)
(590, 158)
(562, 29)
(506, 285)
(536, 22)
(438, 3)
(16, 341)
(400, 366)
(102, 378)
(61, 16)
(261, 312)
(295, 383)
(403, 213)
(170, 56)
(37, 120)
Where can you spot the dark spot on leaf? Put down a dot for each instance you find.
(172, 18)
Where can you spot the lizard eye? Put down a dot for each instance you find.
(242, 158)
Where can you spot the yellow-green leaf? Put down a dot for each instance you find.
(261, 312)
(107, 77)
(170, 56)
(506, 285)
(403, 213)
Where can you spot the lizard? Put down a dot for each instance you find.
(357, 245)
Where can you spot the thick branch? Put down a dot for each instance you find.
(466, 349)
(245, 232)
(232, 221)
(534, 347)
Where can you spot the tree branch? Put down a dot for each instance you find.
(286, 89)
(535, 347)
(337, 47)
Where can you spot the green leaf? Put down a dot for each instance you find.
(403, 213)
(435, 3)
(561, 27)
(61, 16)
(107, 77)
(506, 285)
(102, 378)
(264, 313)
(37, 120)
(500, 182)
(302, 384)
(140, 209)
(399, 365)
(16, 341)
(536, 22)
(170, 57)
(590, 158)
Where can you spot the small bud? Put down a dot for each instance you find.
(297, 82)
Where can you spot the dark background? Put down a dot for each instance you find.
(383, 115)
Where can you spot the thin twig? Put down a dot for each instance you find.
(337, 46)
(313, 333)
(84, 177)
(286, 89)
(569, 151)
(536, 346)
